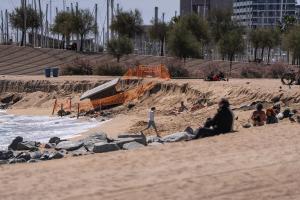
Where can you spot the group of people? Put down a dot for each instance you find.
(221, 123)
(270, 116)
(223, 120)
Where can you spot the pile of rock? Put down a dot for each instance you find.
(20, 151)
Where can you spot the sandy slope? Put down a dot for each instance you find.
(257, 163)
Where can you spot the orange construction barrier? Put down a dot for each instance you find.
(65, 105)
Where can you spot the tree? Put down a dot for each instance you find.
(83, 24)
(182, 43)
(220, 22)
(232, 43)
(17, 19)
(255, 37)
(120, 46)
(158, 31)
(127, 24)
(272, 40)
(291, 43)
(63, 24)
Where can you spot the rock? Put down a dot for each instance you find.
(45, 156)
(36, 155)
(14, 143)
(24, 155)
(56, 155)
(132, 145)
(176, 137)
(5, 155)
(90, 141)
(16, 160)
(33, 161)
(69, 146)
(3, 162)
(28, 146)
(153, 139)
(247, 125)
(102, 147)
(80, 152)
(50, 145)
(155, 144)
(140, 138)
(54, 140)
(122, 141)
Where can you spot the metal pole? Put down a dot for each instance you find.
(7, 28)
(42, 26)
(107, 15)
(2, 27)
(112, 16)
(25, 21)
(96, 31)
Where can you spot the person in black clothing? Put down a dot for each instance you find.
(221, 123)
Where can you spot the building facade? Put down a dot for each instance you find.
(202, 7)
(262, 13)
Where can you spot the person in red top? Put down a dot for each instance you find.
(259, 116)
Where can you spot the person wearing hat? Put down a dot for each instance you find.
(221, 123)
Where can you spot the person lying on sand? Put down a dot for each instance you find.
(151, 122)
(259, 116)
(221, 123)
(182, 107)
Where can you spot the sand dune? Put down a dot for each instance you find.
(256, 163)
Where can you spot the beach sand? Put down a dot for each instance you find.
(256, 163)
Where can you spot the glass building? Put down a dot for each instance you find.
(202, 7)
(262, 13)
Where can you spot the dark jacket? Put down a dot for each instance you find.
(222, 121)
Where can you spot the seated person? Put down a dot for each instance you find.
(182, 107)
(271, 116)
(221, 123)
(259, 116)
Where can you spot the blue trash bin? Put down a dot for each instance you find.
(48, 72)
(55, 72)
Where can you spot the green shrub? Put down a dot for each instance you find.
(77, 67)
(177, 71)
(109, 69)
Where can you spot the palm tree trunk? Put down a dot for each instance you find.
(162, 47)
(81, 43)
(269, 52)
(23, 37)
(262, 54)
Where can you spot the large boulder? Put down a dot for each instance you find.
(28, 146)
(122, 141)
(103, 147)
(14, 143)
(54, 140)
(24, 155)
(140, 138)
(56, 155)
(153, 139)
(80, 152)
(69, 146)
(177, 137)
(132, 145)
(45, 156)
(5, 155)
(90, 141)
(50, 145)
(36, 155)
(16, 160)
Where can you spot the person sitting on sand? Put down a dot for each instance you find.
(182, 107)
(221, 123)
(151, 122)
(271, 115)
(259, 116)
